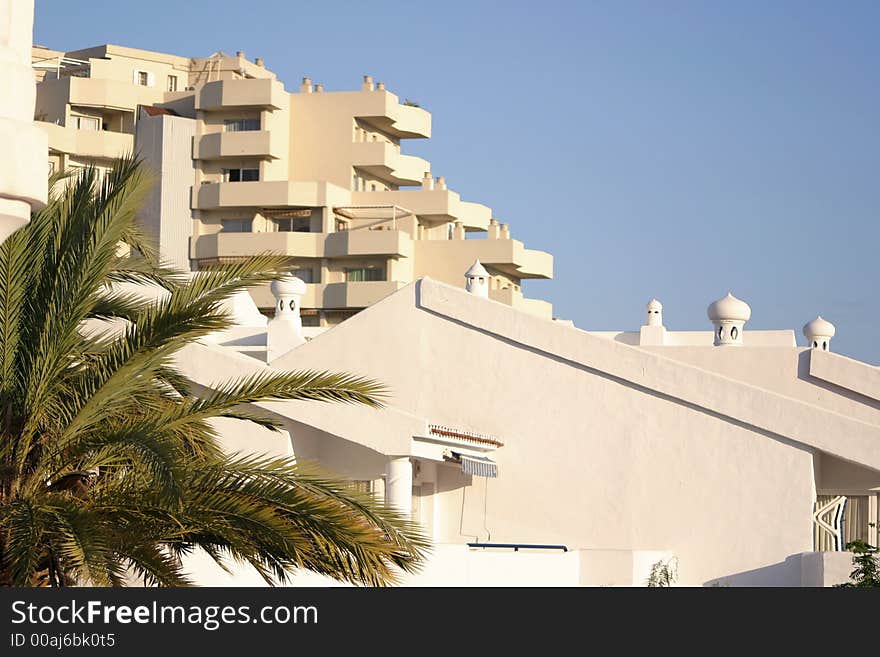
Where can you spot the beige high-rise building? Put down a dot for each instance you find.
(246, 167)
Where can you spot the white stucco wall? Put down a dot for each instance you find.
(459, 565)
(589, 461)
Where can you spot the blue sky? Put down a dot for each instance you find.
(670, 149)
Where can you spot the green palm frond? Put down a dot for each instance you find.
(111, 470)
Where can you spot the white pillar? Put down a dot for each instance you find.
(24, 166)
(399, 483)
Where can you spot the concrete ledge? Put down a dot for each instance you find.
(846, 373)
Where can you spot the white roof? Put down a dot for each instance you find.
(477, 269)
(288, 285)
(729, 308)
(819, 328)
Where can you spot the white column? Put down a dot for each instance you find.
(24, 166)
(399, 483)
(430, 503)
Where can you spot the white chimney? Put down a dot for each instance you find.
(653, 333)
(368, 83)
(306, 86)
(477, 280)
(427, 181)
(655, 313)
(729, 316)
(284, 331)
(819, 333)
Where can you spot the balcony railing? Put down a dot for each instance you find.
(516, 547)
(219, 145)
(87, 143)
(335, 295)
(220, 94)
(305, 245)
(268, 193)
(439, 205)
(385, 161)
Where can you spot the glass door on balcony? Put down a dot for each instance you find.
(361, 274)
(241, 125)
(85, 122)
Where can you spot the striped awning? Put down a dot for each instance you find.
(478, 466)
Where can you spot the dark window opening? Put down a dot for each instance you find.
(293, 224)
(242, 175)
(236, 225)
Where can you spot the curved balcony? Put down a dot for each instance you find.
(220, 145)
(379, 108)
(447, 260)
(97, 92)
(335, 295)
(268, 193)
(384, 161)
(439, 205)
(87, 143)
(221, 94)
(305, 245)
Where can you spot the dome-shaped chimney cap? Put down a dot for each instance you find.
(729, 308)
(653, 304)
(819, 328)
(287, 286)
(477, 270)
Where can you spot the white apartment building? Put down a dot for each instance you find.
(245, 167)
(531, 451)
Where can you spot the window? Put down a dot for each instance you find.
(236, 225)
(86, 122)
(305, 274)
(293, 225)
(242, 175)
(360, 274)
(172, 83)
(241, 125)
(143, 78)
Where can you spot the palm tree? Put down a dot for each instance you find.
(109, 466)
